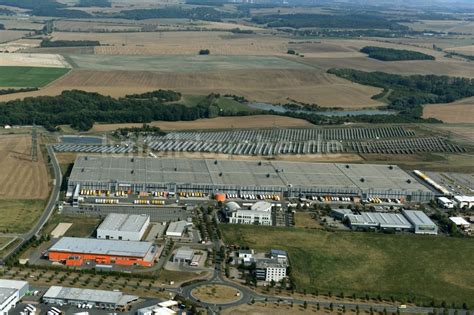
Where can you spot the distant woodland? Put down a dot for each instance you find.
(390, 54)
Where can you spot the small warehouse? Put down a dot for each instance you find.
(183, 255)
(74, 251)
(460, 222)
(445, 202)
(178, 228)
(98, 298)
(464, 201)
(422, 224)
(127, 227)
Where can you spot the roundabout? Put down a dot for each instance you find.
(219, 294)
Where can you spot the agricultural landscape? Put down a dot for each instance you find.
(193, 112)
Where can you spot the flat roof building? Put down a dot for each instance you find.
(178, 228)
(253, 177)
(270, 269)
(74, 251)
(383, 221)
(76, 296)
(11, 291)
(183, 255)
(464, 201)
(460, 221)
(422, 224)
(127, 227)
(445, 202)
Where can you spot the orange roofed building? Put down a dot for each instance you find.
(74, 251)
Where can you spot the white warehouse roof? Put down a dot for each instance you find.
(459, 221)
(177, 228)
(13, 284)
(261, 206)
(102, 247)
(88, 295)
(417, 217)
(124, 222)
(382, 220)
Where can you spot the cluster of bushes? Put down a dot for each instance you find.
(390, 54)
(69, 43)
(409, 93)
(204, 52)
(58, 12)
(2, 27)
(143, 130)
(301, 20)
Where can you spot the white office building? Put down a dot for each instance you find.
(126, 227)
(270, 270)
(260, 213)
(11, 291)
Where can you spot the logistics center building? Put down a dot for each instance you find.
(135, 174)
(74, 251)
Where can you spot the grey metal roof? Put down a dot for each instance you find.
(6, 293)
(382, 220)
(140, 170)
(88, 295)
(177, 227)
(417, 217)
(124, 222)
(184, 253)
(101, 246)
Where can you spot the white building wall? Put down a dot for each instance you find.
(10, 303)
(251, 217)
(275, 274)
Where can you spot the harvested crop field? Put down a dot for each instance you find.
(273, 85)
(456, 26)
(181, 43)
(458, 112)
(8, 35)
(33, 60)
(19, 44)
(21, 178)
(465, 50)
(257, 121)
(181, 63)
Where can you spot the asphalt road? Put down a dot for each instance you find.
(53, 199)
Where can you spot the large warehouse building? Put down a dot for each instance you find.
(127, 227)
(11, 291)
(252, 177)
(97, 298)
(74, 251)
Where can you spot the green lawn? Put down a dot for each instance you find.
(18, 216)
(428, 267)
(29, 76)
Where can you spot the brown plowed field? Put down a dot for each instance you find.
(274, 85)
(19, 177)
(458, 112)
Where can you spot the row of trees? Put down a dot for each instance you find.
(407, 94)
(69, 43)
(162, 95)
(390, 54)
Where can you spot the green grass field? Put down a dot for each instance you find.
(29, 76)
(180, 63)
(402, 266)
(18, 216)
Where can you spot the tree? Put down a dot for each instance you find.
(305, 305)
(331, 306)
(204, 52)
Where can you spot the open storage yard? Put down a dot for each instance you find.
(368, 263)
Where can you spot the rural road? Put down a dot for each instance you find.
(53, 199)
